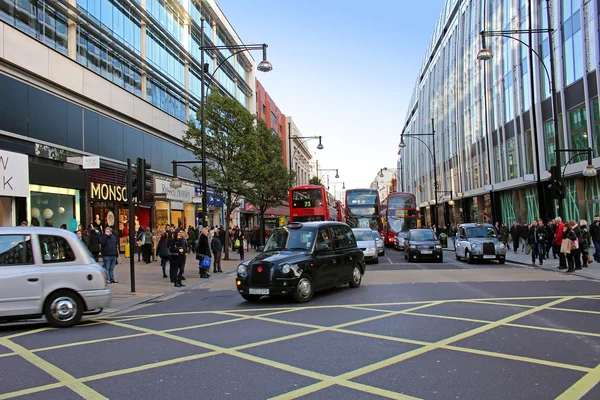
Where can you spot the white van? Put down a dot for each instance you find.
(50, 272)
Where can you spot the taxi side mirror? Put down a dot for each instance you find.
(323, 246)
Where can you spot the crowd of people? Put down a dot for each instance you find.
(575, 245)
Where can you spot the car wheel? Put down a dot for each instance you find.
(63, 309)
(356, 277)
(469, 257)
(304, 290)
(457, 256)
(406, 254)
(376, 260)
(502, 260)
(441, 259)
(251, 297)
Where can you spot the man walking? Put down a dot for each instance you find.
(595, 234)
(515, 234)
(537, 241)
(524, 235)
(110, 251)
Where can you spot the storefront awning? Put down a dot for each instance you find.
(282, 211)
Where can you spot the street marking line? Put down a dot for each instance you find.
(558, 330)
(26, 333)
(479, 321)
(576, 311)
(36, 389)
(517, 358)
(169, 297)
(582, 386)
(491, 303)
(422, 350)
(60, 375)
(7, 354)
(377, 391)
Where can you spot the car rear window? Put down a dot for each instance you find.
(15, 250)
(363, 236)
(55, 249)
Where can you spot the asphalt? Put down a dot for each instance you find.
(517, 333)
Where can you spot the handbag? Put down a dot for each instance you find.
(237, 243)
(566, 245)
(200, 256)
(205, 263)
(528, 249)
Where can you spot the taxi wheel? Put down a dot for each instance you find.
(356, 277)
(251, 297)
(63, 309)
(469, 257)
(304, 290)
(502, 261)
(376, 260)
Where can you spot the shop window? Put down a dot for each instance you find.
(54, 207)
(55, 249)
(15, 250)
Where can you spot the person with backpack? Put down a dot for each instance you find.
(584, 242)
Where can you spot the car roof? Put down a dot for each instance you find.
(314, 224)
(22, 230)
(362, 229)
(471, 224)
(420, 229)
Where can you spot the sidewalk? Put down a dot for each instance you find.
(150, 284)
(551, 264)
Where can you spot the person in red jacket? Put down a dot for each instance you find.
(560, 227)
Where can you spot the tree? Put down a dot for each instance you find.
(315, 181)
(269, 180)
(229, 145)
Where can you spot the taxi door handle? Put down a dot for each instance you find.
(33, 279)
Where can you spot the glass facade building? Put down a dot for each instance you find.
(494, 137)
(115, 78)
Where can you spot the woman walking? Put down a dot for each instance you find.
(204, 249)
(178, 249)
(162, 251)
(570, 247)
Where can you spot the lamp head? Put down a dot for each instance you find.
(589, 171)
(264, 65)
(176, 183)
(402, 144)
(320, 145)
(484, 54)
(336, 174)
(344, 185)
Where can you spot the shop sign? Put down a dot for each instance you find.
(106, 192)
(92, 162)
(184, 194)
(15, 174)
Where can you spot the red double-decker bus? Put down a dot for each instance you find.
(339, 207)
(400, 215)
(311, 203)
(363, 209)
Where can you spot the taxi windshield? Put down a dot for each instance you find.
(424, 234)
(363, 236)
(481, 232)
(290, 239)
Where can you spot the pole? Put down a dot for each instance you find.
(532, 110)
(401, 174)
(434, 220)
(559, 206)
(317, 170)
(202, 122)
(131, 223)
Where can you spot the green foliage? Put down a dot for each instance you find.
(269, 180)
(315, 181)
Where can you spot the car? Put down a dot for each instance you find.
(399, 240)
(365, 240)
(49, 272)
(422, 243)
(300, 259)
(380, 244)
(475, 241)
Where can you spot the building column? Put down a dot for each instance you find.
(72, 32)
(143, 45)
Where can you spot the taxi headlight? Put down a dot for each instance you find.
(413, 246)
(473, 245)
(241, 269)
(286, 268)
(438, 246)
(501, 245)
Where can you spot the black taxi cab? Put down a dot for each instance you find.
(300, 259)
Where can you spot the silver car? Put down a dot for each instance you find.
(479, 242)
(380, 244)
(365, 240)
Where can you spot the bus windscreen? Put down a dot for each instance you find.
(307, 198)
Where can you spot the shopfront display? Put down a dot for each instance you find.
(54, 207)
(179, 208)
(14, 168)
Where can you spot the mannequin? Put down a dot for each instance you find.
(97, 220)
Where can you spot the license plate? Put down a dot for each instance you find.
(426, 252)
(489, 256)
(258, 291)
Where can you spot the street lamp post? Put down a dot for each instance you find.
(337, 175)
(263, 66)
(486, 54)
(402, 145)
(307, 138)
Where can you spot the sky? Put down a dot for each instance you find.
(344, 70)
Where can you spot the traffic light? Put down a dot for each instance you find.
(557, 186)
(143, 180)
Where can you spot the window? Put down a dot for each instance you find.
(572, 41)
(273, 120)
(55, 249)
(15, 250)
(340, 240)
(578, 137)
(350, 236)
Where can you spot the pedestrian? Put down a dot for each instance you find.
(515, 235)
(524, 234)
(240, 244)
(595, 234)
(94, 242)
(558, 238)
(584, 243)
(192, 238)
(222, 236)
(177, 249)
(571, 247)
(203, 249)
(537, 241)
(503, 234)
(139, 242)
(110, 251)
(162, 251)
(147, 245)
(550, 233)
(217, 248)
